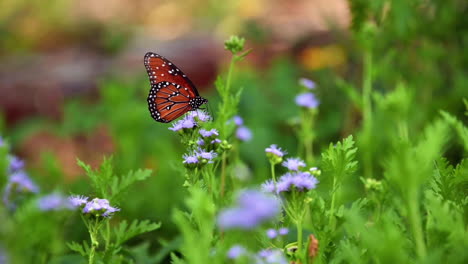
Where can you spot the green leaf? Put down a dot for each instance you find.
(120, 184)
(339, 159)
(83, 250)
(125, 232)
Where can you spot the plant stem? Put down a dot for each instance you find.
(299, 237)
(367, 112)
(332, 206)
(94, 242)
(223, 174)
(416, 225)
(272, 168)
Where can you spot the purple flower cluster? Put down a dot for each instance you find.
(53, 202)
(271, 256)
(275, 150)
(253, 209)
(293, 164)
(16, 164)
(307, 100)
(273, 233)
(97, 207)
(191, 120)
(236, 251)
(300, 181)
(309, 84)
(208, 138)
(199, 157)
(243, 133)
(265, 256)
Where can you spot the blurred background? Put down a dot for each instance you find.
(73, 84)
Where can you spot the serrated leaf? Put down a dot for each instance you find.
(125, 232)
(83, 250)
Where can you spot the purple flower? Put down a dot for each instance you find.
(307, 100)
(253, 209)
(273, 149)
(238, 120)
(271, 233)
(54, 201)
(298, 180)
(200, 142)
(243, 133)
(268, 186)
(22, 182)
(99, 206)
(215, 141)
(236, 251)
(199, 115)
(283, 231)
(209, 133)
(186, 123)
(206, 155)
(309, 84)
(78, 200)
(16, 164)
(273, 256)
(190, 159)
(293, 164)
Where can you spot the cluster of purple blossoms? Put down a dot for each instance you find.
(54, 201)
(253, 209)
(273, 233)
(265, 256)
(309, 84)
(243, 133)
(18, 184)
(271, 256)
(199, 157)
(208, 138)
(15, 164)
(307, 99)
(97, 207)
(293, 164)
(299, 181)
(275, 150)
(191, 120)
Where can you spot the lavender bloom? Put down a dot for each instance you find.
(274, 150)
(190, 159)
(238, 120)
(100, 206)
(200, 142)
(22, 182)
(16, 164)
(309, 84)
(199, 115)
(215, 141)
(271, 256)
(283, 231)
(207, 155)
(254, 209)
(243, 133)
(209, 133)
(294, 164)
(236, 251)
(3, 256)
(54, 201)
(271, 233)
(186, 123)
(268, 186)
(307, 100)
(78, 200)
(299, 180)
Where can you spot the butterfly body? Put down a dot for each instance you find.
(172, 93)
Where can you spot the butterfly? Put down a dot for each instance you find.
(172, 93)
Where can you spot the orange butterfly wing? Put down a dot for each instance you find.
(171, 91)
